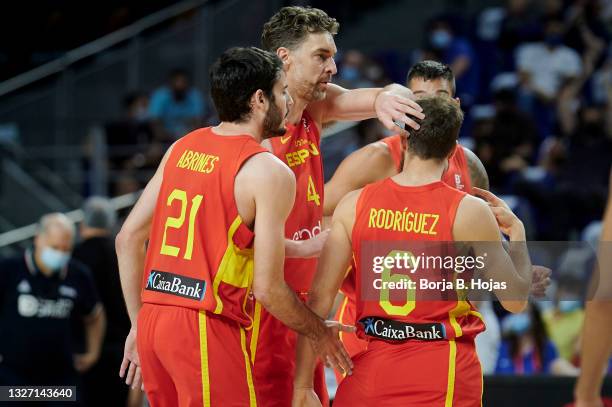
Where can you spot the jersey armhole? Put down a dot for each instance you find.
(243, 235)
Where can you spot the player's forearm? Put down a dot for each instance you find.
(354, 104)
(305, 364)
(519, 254)
(130, 256)
(305, 355)
(596, 349)
(280, 301)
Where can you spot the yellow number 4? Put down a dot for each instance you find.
(312, 192)
(177, 223)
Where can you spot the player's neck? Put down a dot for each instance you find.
(299, 105)
(417, 171)
(239, 129)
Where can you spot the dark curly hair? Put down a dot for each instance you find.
(236, 75)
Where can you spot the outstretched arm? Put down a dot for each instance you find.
(479, 225)
(393, 102)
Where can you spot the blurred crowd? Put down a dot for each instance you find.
(534, 79)
(150, 123)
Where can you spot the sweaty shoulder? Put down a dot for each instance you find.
(377, 158)
(263, 175)
(474, 221)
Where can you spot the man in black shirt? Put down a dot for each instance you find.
(41, 293)
(102, 386)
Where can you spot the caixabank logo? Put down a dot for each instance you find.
(391, 330)
(174, 284)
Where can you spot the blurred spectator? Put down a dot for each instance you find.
(133, 152)
(518, 26)
(454, 50)
(41, 293)
(351, 72)
(564, 321)
(101, 385)
(601, 85)
(177, 108)
(544, 67)
(526, 348)
(507, 145)
(551, 10)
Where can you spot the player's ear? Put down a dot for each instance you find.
(284, 55)
(258, 99)
(458, 101)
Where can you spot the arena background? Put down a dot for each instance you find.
(76, 79)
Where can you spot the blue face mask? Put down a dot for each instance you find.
(516, 323)
(569, 306)
(440, 39)
(53, 259)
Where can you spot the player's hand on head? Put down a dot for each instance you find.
(130, 365)
(397, 107)
(305, 397)
(506, 219)
(329, 348)
(540, 281)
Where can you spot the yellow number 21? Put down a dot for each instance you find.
(177, 223)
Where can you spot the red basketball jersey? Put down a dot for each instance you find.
(388, 214)
(457, 175)
(300, 149)
(199, 254)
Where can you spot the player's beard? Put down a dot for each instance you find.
(312, 92)
(273, 122)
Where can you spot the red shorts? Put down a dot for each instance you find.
(414, 373)
(353, 344)
(273, 347)
(193, 358)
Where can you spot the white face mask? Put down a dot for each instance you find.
(53, 259)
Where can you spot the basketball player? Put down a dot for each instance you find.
(441, 367)
(383, 159)
(190, 308)
(303, 39)
(597, 330)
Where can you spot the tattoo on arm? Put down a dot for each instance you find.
(478, 174)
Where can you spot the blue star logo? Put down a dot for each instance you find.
(369, 325)
(150, 280)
